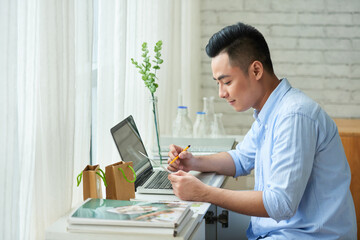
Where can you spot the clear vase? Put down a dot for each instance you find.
(217, 128)
(210, 113)
(154, 128)
(200, 126)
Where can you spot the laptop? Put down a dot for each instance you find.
(131, 148)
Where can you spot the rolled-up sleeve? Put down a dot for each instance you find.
(291, 165)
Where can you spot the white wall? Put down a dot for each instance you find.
(315, 44)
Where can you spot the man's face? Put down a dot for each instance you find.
(238, 88)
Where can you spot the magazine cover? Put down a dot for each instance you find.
(130, 213)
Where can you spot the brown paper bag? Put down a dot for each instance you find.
(91, 176)
(120, 178)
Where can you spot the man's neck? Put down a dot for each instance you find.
(269, 83)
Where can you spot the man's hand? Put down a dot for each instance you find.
(187, 187)
(185, 161)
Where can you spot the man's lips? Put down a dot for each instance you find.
(231, 102)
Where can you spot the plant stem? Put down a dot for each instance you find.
(156, 126)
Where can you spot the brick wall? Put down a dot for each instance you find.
(315, 44)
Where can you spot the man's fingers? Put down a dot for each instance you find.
(175, 163)
(172, 168)
(180, 173)
(173, 177)
(185, 154)
(172, 154)
(175, 149)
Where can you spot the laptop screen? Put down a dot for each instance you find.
(129, 143)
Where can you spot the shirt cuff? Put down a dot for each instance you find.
(236, 162)
(276, 208)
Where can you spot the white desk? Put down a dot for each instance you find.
(194, 230)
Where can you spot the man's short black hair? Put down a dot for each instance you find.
(243, 43)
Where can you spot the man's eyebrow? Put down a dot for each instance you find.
(221, 77)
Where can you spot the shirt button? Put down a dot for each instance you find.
(266, 126)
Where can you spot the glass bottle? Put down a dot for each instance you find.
(200, 126)
(182, 126)
(209, 110)
(217, 128)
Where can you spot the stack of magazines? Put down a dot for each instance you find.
(132, 217)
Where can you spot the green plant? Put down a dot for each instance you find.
(145, 70)
(148, 75)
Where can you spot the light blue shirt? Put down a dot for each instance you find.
(300, 165)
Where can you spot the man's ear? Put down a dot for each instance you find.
(256, 70)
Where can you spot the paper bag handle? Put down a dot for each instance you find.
(126, 177)
(79, 177)
(102, 177)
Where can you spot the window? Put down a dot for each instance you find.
(93, 159)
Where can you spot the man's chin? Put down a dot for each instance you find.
(240, 108)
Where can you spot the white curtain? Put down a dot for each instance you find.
(45, 97)
(123, 26)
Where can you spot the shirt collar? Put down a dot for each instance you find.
(262, 116)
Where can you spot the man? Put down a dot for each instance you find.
(302, 176)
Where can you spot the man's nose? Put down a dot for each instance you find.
(222, 92)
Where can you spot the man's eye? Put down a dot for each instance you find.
(227, 83)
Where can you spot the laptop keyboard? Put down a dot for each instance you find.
(160, 181)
